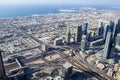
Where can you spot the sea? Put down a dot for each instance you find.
(7, 11)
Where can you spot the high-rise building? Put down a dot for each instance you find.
(85, 28)
(118, 26)
(107, 48)
(105, 33)
(89, 36)
(119, 21)
(79, 33)
(67, 70)
(114, 31)
(118, 40)
(83, 42)
(100, 29)
(111, 26)
(2, 70)
(68, 35)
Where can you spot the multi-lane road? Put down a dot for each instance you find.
(75, 61)
(28, 61)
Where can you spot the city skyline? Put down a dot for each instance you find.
(59, 40)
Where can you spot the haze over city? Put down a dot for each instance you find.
(67, 2)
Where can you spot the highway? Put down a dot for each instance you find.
(93, 68)
(80, 66)
(83, 62)
(27, 61)
(78, 61)
(32, 37)
(22, 51)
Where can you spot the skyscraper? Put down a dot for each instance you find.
(2, 70)
(105, 32)
(108, 46)
(111, 26)
(68, 35)
(100, 29)
(78, 33)
(118, 40)
(85, 28)
(118, 26)
(83, 42)
(114, 31)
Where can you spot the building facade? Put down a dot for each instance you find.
(79, 33)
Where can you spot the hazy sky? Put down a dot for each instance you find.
(87, 2)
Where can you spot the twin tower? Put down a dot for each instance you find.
(80, 34)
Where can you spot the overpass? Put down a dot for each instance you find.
(22, 51)
(78, 61)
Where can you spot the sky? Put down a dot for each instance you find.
(86, 2)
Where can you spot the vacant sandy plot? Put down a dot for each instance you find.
(52, 57)
(39, 61)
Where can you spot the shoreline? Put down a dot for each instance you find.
(57, 12)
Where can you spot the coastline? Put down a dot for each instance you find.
(42, 12)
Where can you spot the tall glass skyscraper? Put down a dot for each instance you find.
(100, 29)
(118, 26)
(114, 31)
(118, 39)
(107, 48)
(111, 26)
(83, 42)
(79, 33)
(68, 35)
(85, 28)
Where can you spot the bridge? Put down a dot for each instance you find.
(76, 61)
